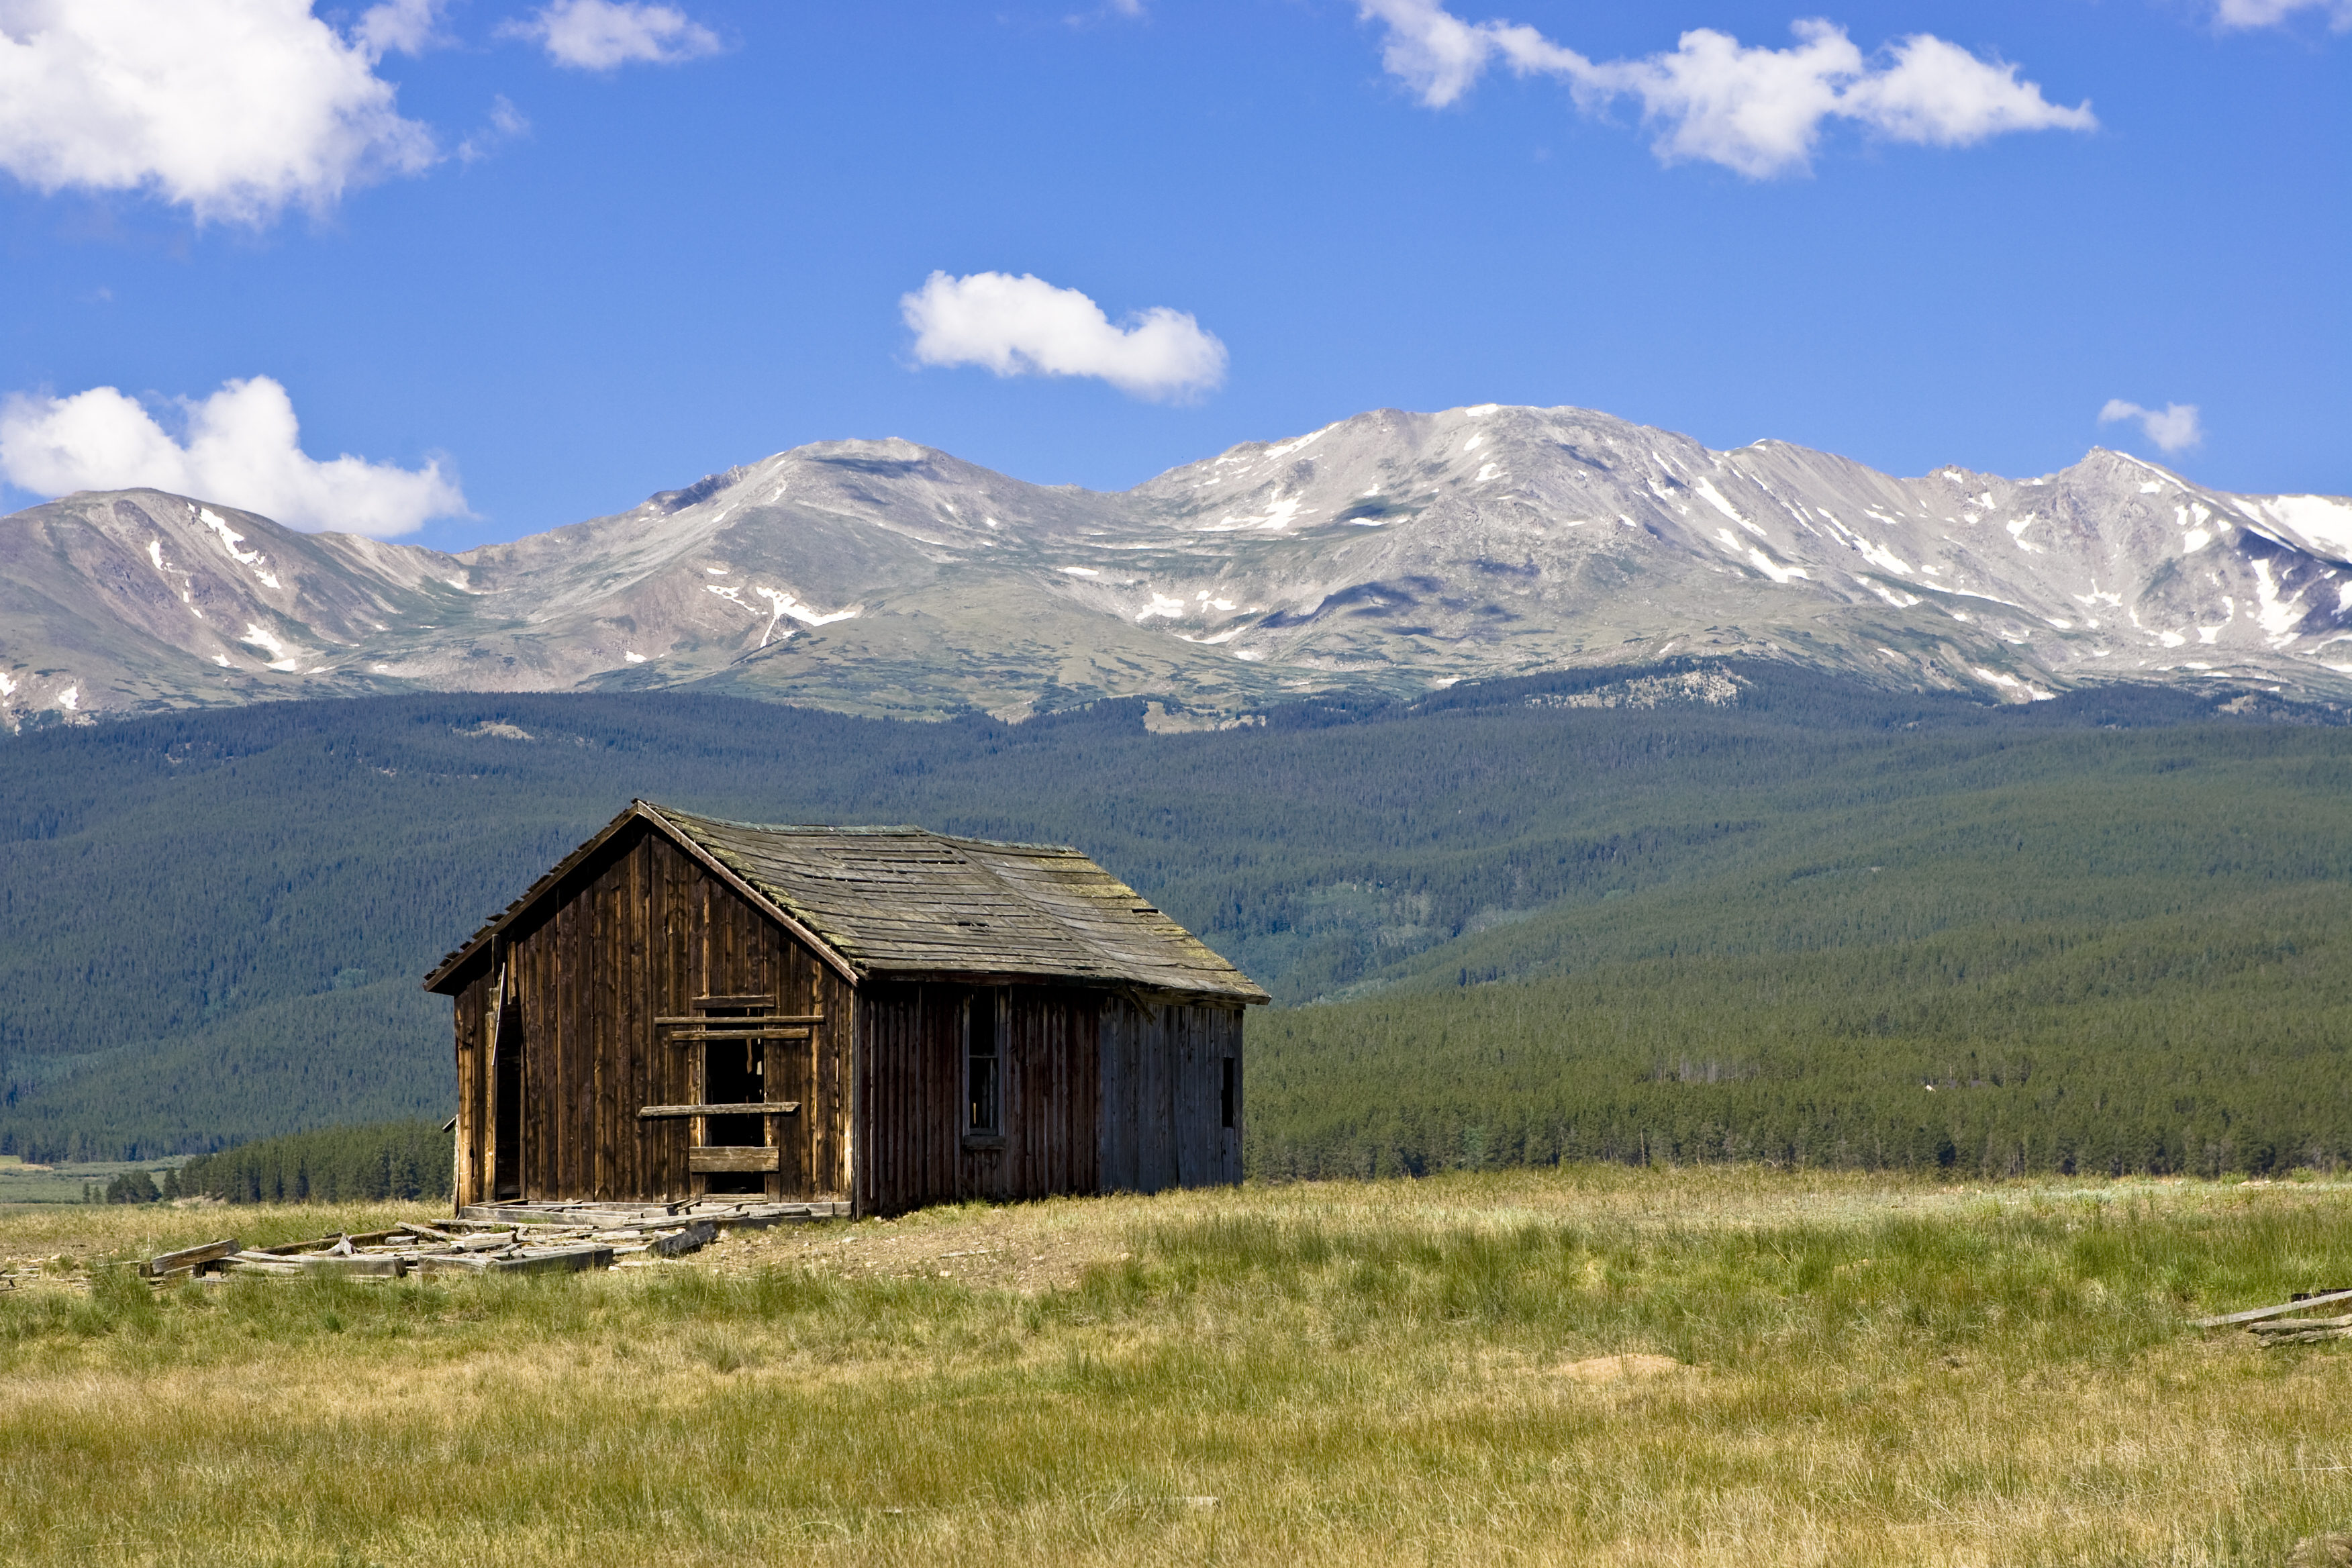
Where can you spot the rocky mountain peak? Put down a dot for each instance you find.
(1394, 549)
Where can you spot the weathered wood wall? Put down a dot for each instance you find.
(912, 1144)
(1162, 1119)
(472, 1009)
(1100, 1093)
(638, 932)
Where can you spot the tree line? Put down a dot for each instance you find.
(182, 970)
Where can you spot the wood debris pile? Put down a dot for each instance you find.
(496, 1238)
(2288, 1322)
(455, 1246)
(746, 1213)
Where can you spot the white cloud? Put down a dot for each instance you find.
(2173, 427)
(506, 123)
(231, 108)
(241, 451)
(400, 27)
(603, 35)
(2232, 15)
(1026, 326)
(1757, 111)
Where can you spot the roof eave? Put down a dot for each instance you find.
(1247, 996)
(547, 882)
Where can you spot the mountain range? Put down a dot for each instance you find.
(1393, 550)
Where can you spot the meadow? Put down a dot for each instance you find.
(1710, 1365)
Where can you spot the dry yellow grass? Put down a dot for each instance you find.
(1706, 1367)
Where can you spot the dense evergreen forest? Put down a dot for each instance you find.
(2111, 931)
(329, 1165)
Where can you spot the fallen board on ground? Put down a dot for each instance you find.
(2256, 1314)
(610, 1215)
(550, 1260)
(188, 1258)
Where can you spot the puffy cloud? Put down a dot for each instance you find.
(1757, 110)
(1026, 326)
(241, 450)
(400, 27)
(603, 35)
(231, 108)
(2174, 427)
(2232, 14)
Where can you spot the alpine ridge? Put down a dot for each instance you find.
(1392, 550)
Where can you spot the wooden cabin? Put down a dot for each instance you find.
(885, 1016)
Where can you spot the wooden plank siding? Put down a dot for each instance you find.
(635, 933)
(473, 1012)
(1098, 1094)
(1164, 1095)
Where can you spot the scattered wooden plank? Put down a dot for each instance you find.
(353, 1265)
(163, 1263)
(740, 1157)
(451, 1263)
(2256, 1314)
(495, 1241)
(748, 1212)
(744, 1108)
(693, 1238)
(555, 1260)
(2310, 1337)
(510, 1214)
(2300, 1325)
(537, 1260)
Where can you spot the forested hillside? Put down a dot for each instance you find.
(330, 1166)
(1538, 928)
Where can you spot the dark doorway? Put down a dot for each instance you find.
(732, 1074)
(506, 1092)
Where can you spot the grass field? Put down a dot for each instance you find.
(1605, 1365)
(21, 1183)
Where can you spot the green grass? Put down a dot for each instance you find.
(64, 1183)
(1845, 1371)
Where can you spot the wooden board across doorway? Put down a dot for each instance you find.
(758, 1051)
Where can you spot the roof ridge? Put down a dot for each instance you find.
(875, 829)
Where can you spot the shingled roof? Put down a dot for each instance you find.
(893, 902)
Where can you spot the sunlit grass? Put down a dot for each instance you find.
(1842, 1371)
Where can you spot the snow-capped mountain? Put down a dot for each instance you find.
(1401, 550)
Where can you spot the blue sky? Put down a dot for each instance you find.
(573, 281)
